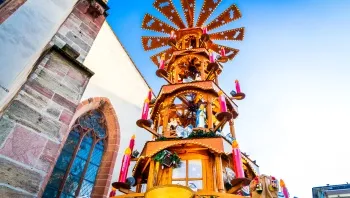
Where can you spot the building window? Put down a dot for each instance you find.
(189, 174)
(77, 166)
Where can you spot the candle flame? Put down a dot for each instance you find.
(146, 100)
(235, 144)
(283, 185)
(163, 57)
(220, 93)
(236, 81)
(133, 136)
(127, 151)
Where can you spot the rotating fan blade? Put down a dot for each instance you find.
(154, 24)
(151, 42)
(236, 34)
(230, 14)
(188, 7)
(155, 58)
(207, 9)
(167, 8)
(230, 52)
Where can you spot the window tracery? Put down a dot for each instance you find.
(77, 166)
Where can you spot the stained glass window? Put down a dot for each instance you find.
(76, 168)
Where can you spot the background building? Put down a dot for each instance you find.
(331, 191)
(69, 97)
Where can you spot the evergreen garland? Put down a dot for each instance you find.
(202, 134)
(174, 158)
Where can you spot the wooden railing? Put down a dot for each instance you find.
(202, 194)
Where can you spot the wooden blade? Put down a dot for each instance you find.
(230, 52)
(234, 34)
(167, 8)
(151, 42)
(154, 24)
(207, 9)
(230, 14)
(155, 58)
(188, 7)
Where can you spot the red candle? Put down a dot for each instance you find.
(237, 160)
(162, 62)
(112, 193)
(211, 56)
(132, 143)
(222, 100)
(125, 165)
(284, 189)
(205, 30)
(145, 110)
(150, 95)
(222, 52)
(238, 87)
(172, 34)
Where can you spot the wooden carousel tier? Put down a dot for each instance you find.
(206, 86)
(163, 193)
(200, 194)
(216, 145)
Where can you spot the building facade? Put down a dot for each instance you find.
(67, 93)
(331, 191)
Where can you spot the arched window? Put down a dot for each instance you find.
(77, 166)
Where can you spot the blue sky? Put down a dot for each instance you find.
(294, 68)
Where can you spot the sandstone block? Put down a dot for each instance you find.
(6, 126)
(48, 157)
(20, 177)
(29, 117)
(23, 146)
(6, 192)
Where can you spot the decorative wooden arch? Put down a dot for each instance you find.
(105, 172)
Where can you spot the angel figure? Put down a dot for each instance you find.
(201, 116)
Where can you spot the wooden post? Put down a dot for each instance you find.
(138, 184)
(176, 77)
(165, 115)
(213, 178)
(232, 129)
(150, 176)
(197, 42)
(219, 176)
(202, 71)
(210, 111)
(216, 78)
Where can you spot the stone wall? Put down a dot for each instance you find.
(34, 125)
(79, 30)
(9, 7)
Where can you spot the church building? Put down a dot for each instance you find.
(69, 97)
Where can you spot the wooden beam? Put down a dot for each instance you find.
(232, 128)
(219, 176)
(144, 168)
(131, 195)
(150, 176)
(126, 191)
(222, 123)
(149, 129)
(210, 111)
(234, 189)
